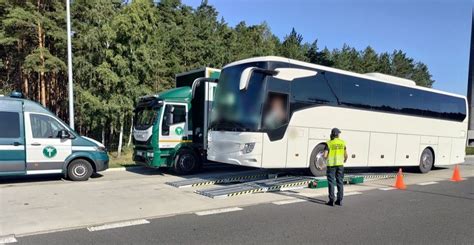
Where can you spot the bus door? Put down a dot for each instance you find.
(275, 122)
(173, 130)
(12, 143)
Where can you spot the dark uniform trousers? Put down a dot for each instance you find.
(335, 175)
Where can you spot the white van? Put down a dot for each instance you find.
(35, 141)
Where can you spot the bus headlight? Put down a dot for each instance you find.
(248, 147)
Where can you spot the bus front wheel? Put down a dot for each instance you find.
(317, 164)
(426, 161)
(186, 162)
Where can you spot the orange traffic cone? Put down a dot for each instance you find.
(399, 184)
(456, 175)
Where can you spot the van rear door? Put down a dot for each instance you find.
(12, 138)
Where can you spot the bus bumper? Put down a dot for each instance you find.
(234, 148)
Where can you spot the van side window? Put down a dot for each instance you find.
(44, 126)
(9, 125)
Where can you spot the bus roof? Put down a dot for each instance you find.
(379, 77)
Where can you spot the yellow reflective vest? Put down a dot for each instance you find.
(336, 152)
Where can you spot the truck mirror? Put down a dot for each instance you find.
(169, 119)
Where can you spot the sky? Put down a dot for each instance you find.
(435, 32)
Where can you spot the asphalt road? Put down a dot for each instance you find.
(437, 213)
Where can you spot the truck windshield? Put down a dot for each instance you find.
(235, 109)
(145, 117)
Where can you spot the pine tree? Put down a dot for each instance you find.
(370, 60)
(292, 46)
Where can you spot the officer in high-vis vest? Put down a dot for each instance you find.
(336, 156)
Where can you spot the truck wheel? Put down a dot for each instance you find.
(186, 162)
(426, 161)
(79, 170)
(317, 163)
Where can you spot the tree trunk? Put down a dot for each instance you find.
(41, 79)
(25, 85)
(130, 134)
(119, 148)
(23, 74)
(110, 137)
(41, 45)
(103, 135)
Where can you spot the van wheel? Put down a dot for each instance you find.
(186, 162)
(79, 170)
(426, 161)
(317, 163)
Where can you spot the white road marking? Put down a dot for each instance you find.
(312, 194)
(387, 188)
(292, 188)
(289, 201)
(428, 183)
(118, 225)
(218, 211)
(352, 193)
(7, 239)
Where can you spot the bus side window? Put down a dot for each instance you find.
(275, 110)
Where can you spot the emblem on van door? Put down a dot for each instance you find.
(49, 151)
(179, 130)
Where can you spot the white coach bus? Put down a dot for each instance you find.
(274, 112)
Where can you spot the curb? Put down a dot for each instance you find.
(125, 169)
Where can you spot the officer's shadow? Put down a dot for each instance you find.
(298, 196)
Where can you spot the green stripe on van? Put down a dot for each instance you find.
(12, 155)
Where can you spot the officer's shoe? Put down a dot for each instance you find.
(338, 203)
(330, 203)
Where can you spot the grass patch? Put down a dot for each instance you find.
(469, 150)
(125, 160)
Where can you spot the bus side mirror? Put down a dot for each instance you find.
(247, 74)
(245, 78)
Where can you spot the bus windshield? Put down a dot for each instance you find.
(235, 109)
